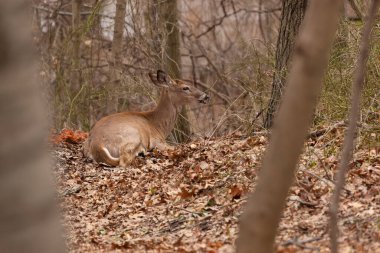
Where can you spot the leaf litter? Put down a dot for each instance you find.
(190, 199)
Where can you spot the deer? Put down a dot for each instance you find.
(116, 140)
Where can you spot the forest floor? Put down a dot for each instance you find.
(190, 199)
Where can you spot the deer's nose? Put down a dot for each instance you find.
(204, 98)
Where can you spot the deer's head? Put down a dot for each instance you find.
(179, 91)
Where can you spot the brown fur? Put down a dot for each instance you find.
(116, 139)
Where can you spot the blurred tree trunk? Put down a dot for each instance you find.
(172, 60)
(260, 220)
(75, 71)
(117, 49)
(27, 211)
(292, 14)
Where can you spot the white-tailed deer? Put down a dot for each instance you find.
(116, 139)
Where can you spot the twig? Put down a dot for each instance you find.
(354, 116)
(298, 199)
(320, 132)
(71, 191)
(257, 116)
(221, 96)
(66, 13)
(356, 9)
(326, 181)
(188, 211)
(135, 67)
(221, 119)
(203, 51)
(220, 20)
(300, 244)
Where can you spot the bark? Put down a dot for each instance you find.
(261, 217)
(172, 60)
(27, 210)
(291, 18)
(155, 32)
(117, 49)
(117, 43)
(354, 116)
(75, 82)
(76, 23)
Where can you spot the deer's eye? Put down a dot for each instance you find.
(185, 88)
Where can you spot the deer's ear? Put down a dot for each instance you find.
(160, 79)
(161, 76)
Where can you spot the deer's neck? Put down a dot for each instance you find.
(164, 116)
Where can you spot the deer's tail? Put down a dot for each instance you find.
(104, 156)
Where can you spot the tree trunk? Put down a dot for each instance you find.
(76, 22)
(117, 49)
(75, 70)
(260, 220)
(172, 60)
(155, 32)
(292, 14)
(27, 215)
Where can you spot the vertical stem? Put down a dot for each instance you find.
(156, 32)
(75, 84)
(173, 61)
(118, 31)
(348, 145)
(76, 44)
(117, 48)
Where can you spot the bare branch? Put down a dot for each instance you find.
(220, 20)
(218, 94)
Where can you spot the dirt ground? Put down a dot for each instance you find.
(190, 199)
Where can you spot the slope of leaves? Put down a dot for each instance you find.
(190, 199)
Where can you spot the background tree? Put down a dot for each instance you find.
(172, 60)
(228, 46)
(117, 56)
(76, 23)
(75, 70)
(155, 31)
(291, 18)
(261, 218)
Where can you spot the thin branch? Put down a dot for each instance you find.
(302, 243)
(356, 9)
(354, 116)
(318, 133)
(218, 94)
(220, 20)
(213, 66)
(64, 13)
